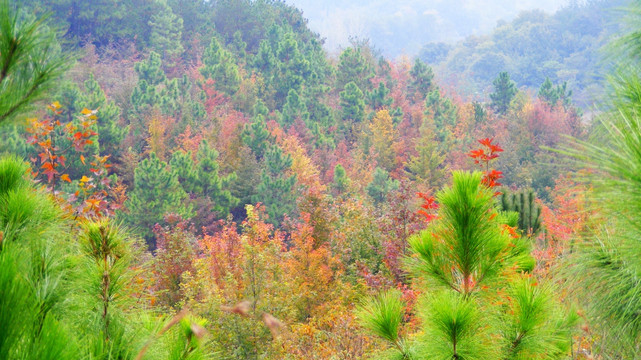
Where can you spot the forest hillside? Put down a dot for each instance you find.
(202, 180)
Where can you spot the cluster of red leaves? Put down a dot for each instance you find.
(483, 157)
(96, 195)
(90, 200)
(43, 134)
(428, 206)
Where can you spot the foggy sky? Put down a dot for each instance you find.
(403, 26)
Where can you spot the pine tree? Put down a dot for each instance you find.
(166, 33)
(421, 81)
(352, 103)
(381, 185)
(276, 189)
(34, 257)
(443, 114)
(255, 134)
(210, 183)
(480, 301)
(341, 181)
(504, 92)
(293, 69)
(219, 65)
(378, 98)
(524, 203)
(30, 59)
(353, 68)
(146, 94)
(110, 132)
(547, 93)
(293, 109)
(156, 192)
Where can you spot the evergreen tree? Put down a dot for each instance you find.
(219, 65)
(30, 59)
(146, 94)
(276, 189)
(378, 98)
(341, 181)
(34, 257)
(293, 109)
(181, 164)
(352, 103)
(166, 33)
(210, 183)
(548, 93)
(381, 185)
(443, 114)
(110, 132)
(504, 92)
(524, 203)
(480, 302)
(353, 68)
(293, 68)
(255, 134)
(421, 80)
(156, 192)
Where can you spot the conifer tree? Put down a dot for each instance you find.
(30, 59)
(480, 301)
(341, 181)
(210, 183)
(293, 69)
(352, 103)
(34, 258)
(150, 76)
(156, 192)
(378, 98)
(381, 185)
(443, 114)
(276, 189)
(293, 109)
(110, 131)
(353, 67)
(166, 33)
(219, 65)
(421, 80)
(504, 92)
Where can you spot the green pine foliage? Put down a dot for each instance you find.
(276, 188)
(525, 204)
(30, 60)
(504, 91)
(156, 192)
(461, 261)
(219, 65)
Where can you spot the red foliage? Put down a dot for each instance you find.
(484, 156)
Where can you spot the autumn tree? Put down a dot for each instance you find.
(384, 139)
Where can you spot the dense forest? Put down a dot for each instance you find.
(192, 179)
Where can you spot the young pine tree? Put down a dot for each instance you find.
(479, 300)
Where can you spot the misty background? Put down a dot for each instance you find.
(404, 26)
